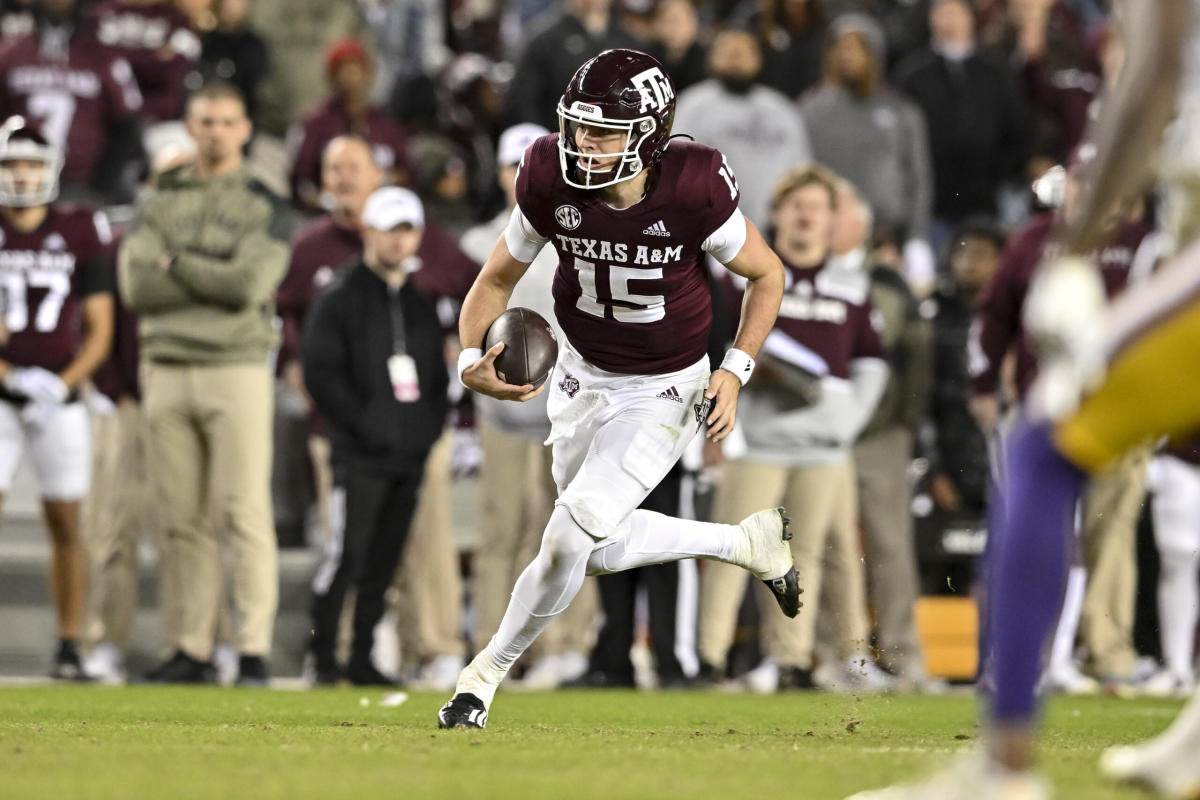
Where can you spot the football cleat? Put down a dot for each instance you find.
(464, 710)
(770, 557)
(1168, 771)
(968, 778)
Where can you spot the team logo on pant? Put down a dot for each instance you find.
(701, 410)
(569, 384)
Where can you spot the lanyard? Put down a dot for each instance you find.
(396, 312)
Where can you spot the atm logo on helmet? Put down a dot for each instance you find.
(655, 89)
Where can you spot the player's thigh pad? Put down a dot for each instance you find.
(644, 433)
(62, 454)
(12, 438)
(1176, 506)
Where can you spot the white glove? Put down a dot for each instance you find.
(40, 385)
(1063, 318)
(39, 415)
(920, 266)
(99, 403)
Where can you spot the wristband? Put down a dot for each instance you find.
(466, 358)
(739, 364)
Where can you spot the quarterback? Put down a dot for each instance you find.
(57, 284)
(1112, 378)
(631, 214)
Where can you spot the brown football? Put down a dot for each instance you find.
(530, 347)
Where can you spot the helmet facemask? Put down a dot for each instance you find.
(625, 163)
(21, 160)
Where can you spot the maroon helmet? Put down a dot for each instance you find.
(628, 92)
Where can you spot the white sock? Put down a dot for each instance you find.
(647, 537)
(1178, 596)
(1063, 650)
(542, 592)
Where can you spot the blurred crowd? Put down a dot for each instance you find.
(904, 157)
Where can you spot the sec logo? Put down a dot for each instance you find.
(568, 217)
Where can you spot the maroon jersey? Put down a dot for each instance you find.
(159, 44)
(834, 319)
(44, 275)
(389, 146)
(630, 290)
(998, 322)
(73, 100)
(322, 248)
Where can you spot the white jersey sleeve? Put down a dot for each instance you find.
(727, 241)
(523, 240)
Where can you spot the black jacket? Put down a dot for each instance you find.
(345, 348)
(958, 448)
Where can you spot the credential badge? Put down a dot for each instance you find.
(568, 217)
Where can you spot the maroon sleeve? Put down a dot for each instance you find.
(867, 343)
(121, 95)
(306, 167)
(534, 179)
(292, 299)
(722, 190)
(997, 325)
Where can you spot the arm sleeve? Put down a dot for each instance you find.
(144, 287)
(869, 377)
(325, 356)
(250, 276)
(524, 243)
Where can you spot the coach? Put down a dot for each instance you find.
(374, 366)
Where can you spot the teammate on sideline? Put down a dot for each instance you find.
(1111, 380)
(631, 219)
(57, 286)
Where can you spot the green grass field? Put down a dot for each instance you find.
(87, 742)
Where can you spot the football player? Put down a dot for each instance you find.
(1111, 379)
(58, 310)
(631, 214)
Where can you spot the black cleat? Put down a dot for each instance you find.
(182, 668)
(252, 672)
(464, 710)
(364, 673)
(67, 664)
(787, 593)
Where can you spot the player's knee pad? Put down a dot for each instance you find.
(565, 541)
(597, 519)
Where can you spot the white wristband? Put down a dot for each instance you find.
(739, 363)
(466, 358)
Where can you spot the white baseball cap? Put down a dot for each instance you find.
(515, 141)
(391, 206)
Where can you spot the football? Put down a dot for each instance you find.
(530, 347)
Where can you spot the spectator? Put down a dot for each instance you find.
(1046, 44)
(515, 508)
(158, 42)
(1110, 503)
(83, 97)
(348, 110)
(321, 250)
(819, 375)
(876, 139)
(472, 101)
(201, 270)
(975, 117)
(957, 451)
(881, 458)
(55, 334)
(233, 52)
(374, 365)
(676, 29)
(792, 35)
(409, 38)
(16, 20)
(295, 31)
(552, 53)
(757, 128)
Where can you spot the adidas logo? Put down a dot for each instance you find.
(657, 229)
(671, 394)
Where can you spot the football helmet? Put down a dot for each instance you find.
(22, 186)
(625, 91)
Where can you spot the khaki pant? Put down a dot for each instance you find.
(1111, 506)
(518, 498)
(210, 427)
(884, 505)
(118, 512)
(428, 580)
(820, 501)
